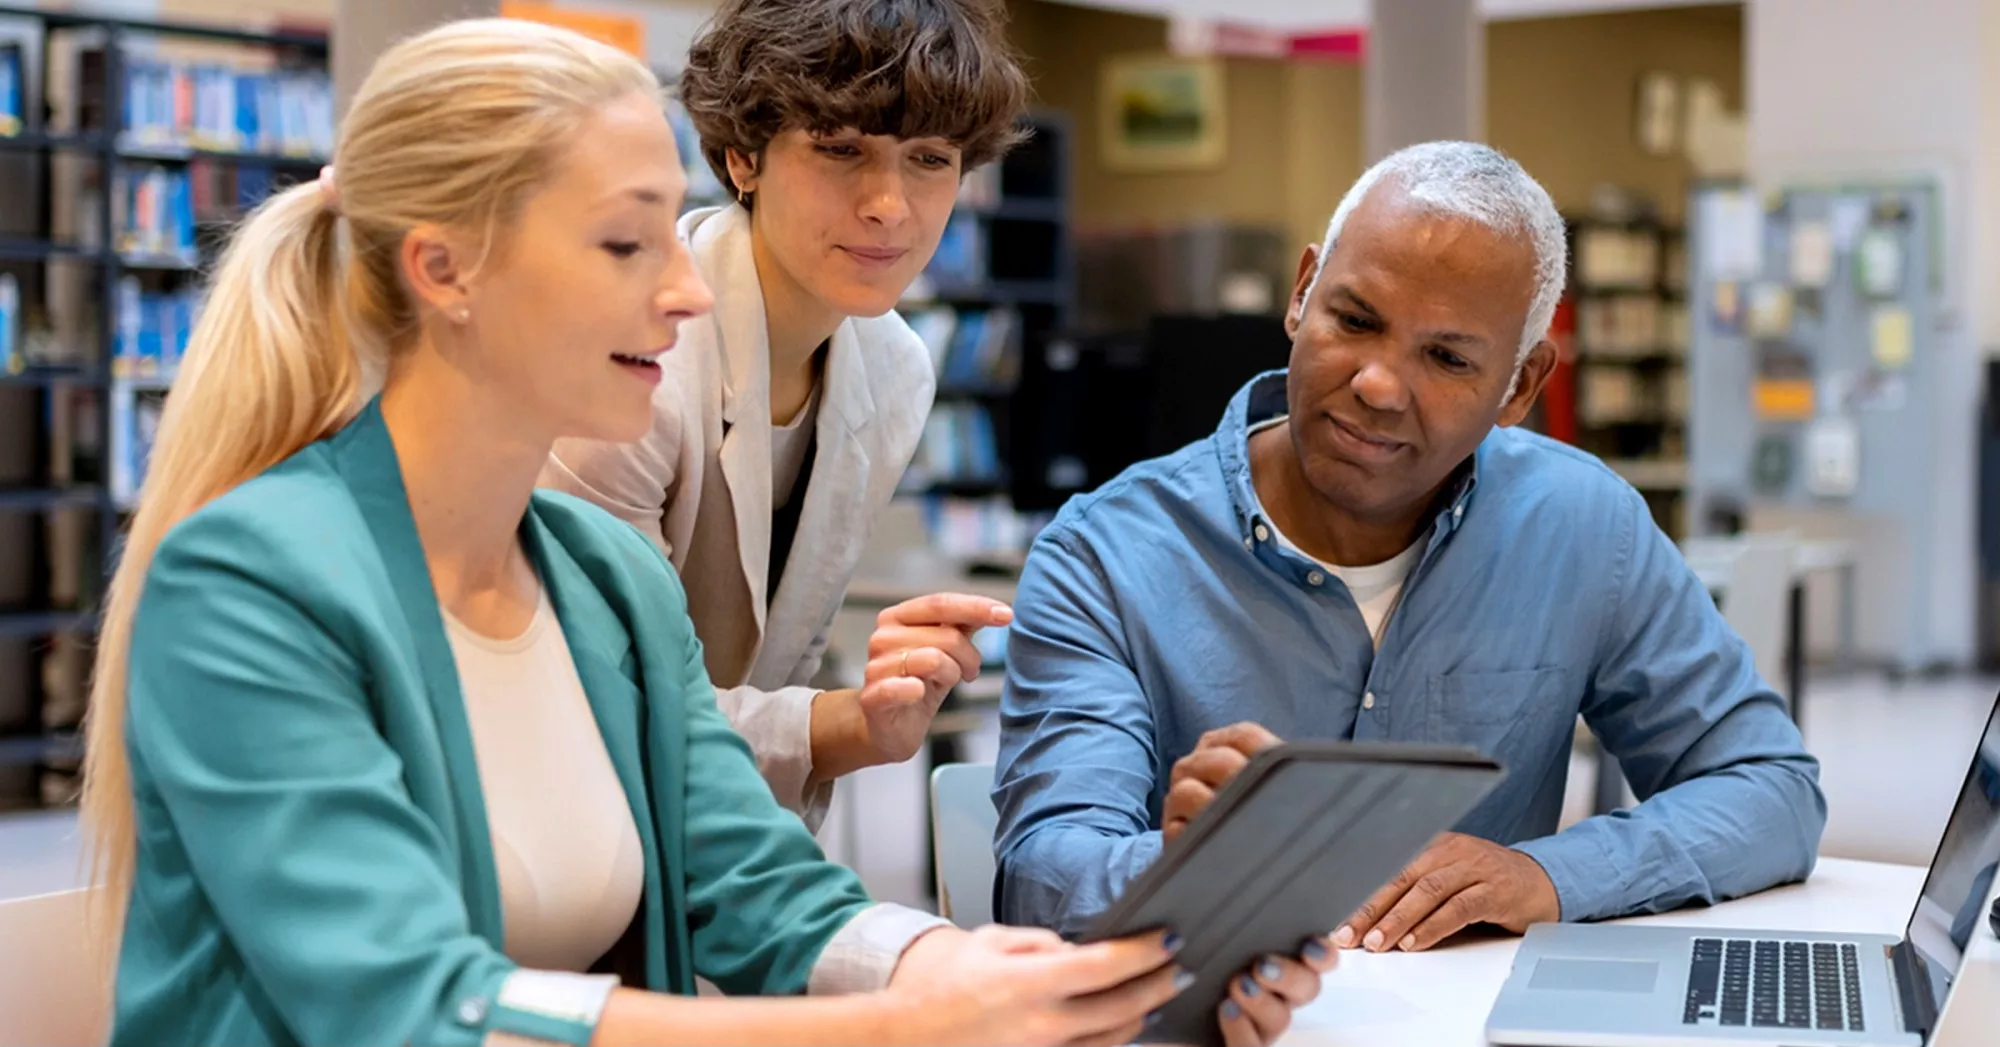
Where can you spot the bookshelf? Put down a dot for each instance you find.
(1628, 307)
(129, 148)
(1000, 287)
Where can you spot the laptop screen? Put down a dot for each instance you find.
(1952, 908)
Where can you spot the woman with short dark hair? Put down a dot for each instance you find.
(786, 419)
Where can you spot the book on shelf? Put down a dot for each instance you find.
(1622, 326)
(960, 259)
(152, 330)
(971, 349)
(12, 359)
(958, 446)
(13, 107)
(225, 192)
(1615, 257)
(135, 422)
(153, 211)
(178, 106)
(969, 528)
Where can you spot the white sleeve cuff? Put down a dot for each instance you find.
(541, 1008)
(863, 954)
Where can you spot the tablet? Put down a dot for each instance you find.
(1288, 850)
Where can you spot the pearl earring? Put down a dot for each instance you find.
(464, 315)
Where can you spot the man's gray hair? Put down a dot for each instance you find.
(1479, 183)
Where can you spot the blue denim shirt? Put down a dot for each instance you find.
(1161, 606)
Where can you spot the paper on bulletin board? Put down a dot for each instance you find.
(1878, 264)
(1847, 216)
(1881, 391)
(1732, 235)
(1770, 311)
(1782, 399)
(1771, 464)
(1812, 254)
(1833, 457)
(1728, 315)
(1890, 336)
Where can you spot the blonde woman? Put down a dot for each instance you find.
(388, 749)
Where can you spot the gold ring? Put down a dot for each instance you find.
(906, 661)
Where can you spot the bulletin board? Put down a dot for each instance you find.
(1812, 321)
(1814, 364)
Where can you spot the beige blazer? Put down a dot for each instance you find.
(705, 498)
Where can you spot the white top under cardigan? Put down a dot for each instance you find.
(706, 498)
(564, 843)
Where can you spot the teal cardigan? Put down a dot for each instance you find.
(314, 864)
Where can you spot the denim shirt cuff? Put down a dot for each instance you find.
(1581, 873)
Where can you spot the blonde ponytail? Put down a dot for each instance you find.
(453, 128)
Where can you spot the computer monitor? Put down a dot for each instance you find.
(1951, 908)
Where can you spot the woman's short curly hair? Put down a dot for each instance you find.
(906, 68)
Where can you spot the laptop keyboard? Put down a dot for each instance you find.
(1774, 984)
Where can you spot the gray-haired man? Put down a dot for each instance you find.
(1368, 549)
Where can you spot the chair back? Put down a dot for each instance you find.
(962, 826)
(1757, 601)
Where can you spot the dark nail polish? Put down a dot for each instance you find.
(1270, 971)
(1231, 1012)
(1250, 987)
(1172, 942)
(1315, 952)
(1152, 1019)
(1183, 979)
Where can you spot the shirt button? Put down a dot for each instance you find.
(472, 1011)
(1315, 578)
(1368, 700)
(1263, 533)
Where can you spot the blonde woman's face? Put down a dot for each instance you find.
(851, 219)
(594, 283)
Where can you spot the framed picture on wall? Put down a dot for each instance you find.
(1161, 113)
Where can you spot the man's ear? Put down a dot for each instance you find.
(1295, 310)
(438, 266)
(1535, 372)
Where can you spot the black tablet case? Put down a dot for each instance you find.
(1289, 849)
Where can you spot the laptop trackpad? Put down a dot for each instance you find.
(1595, 975)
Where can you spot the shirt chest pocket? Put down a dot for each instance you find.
(1492, 711)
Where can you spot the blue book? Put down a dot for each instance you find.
(253, 184)
(180, 212)
(129, 312)
(270, 121)
(12, 112)
(11, 359)
(245, 88)
(961, 368)
(134, 101)
(319, 115)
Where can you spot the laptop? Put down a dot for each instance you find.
(1612, 985)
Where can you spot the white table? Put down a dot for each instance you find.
(1440, 998)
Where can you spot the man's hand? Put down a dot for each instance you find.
(1458, 881)
(1216, 759)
